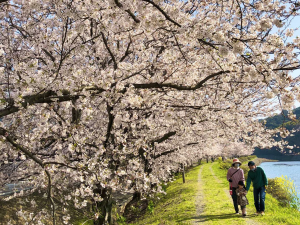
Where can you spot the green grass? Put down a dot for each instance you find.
(84, 222)
(178, 205)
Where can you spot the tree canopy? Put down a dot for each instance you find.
(115, 95)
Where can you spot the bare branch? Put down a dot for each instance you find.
(108, 49)
(49, 54)
(132, 16)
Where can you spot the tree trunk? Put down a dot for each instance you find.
(105, 208)
(199, 161)
(183, 174)
(135, 198)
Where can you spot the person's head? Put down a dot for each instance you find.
(251, 165)
(236, 163)
(241, 184)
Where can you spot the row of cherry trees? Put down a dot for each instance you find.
(115, 95)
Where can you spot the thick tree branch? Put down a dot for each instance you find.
(61, 164)
(40, 98)
(163, 138)
(163, 12)
(165, 153)
(110, 124)
(288, 68)
(47, 97)
(179, 87)
(188, 106)
(9, 139)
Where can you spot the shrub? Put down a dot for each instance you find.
(244, 159)
(121, 219)
(219, 159)
(150, 207)
(226, 164)
(283, 189)
(251, 157)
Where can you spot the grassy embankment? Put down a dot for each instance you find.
(178, 206)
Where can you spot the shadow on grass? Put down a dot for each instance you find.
(203, 218)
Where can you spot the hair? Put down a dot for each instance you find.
(251, 163)
(242, 183)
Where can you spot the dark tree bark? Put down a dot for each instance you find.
(105, 207)
(183, 174)
(199, 161)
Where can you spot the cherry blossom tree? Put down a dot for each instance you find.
(115, 95)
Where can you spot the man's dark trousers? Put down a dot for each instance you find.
(259, 198)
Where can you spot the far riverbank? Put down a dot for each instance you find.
(258, 161)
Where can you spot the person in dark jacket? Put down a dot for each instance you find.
(257, 176)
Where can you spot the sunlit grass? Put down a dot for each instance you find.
(178, 205)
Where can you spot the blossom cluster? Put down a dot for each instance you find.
(114, 96)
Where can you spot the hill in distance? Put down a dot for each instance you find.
(281, 120)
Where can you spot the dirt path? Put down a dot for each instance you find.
(200, 205)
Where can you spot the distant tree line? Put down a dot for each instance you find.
(282, 120)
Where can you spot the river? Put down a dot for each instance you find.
(291, 169)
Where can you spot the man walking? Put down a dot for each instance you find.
(260, 183)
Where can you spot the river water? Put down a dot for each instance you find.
(291, 169)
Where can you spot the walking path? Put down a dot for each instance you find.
(199, 199)
(213, 202)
